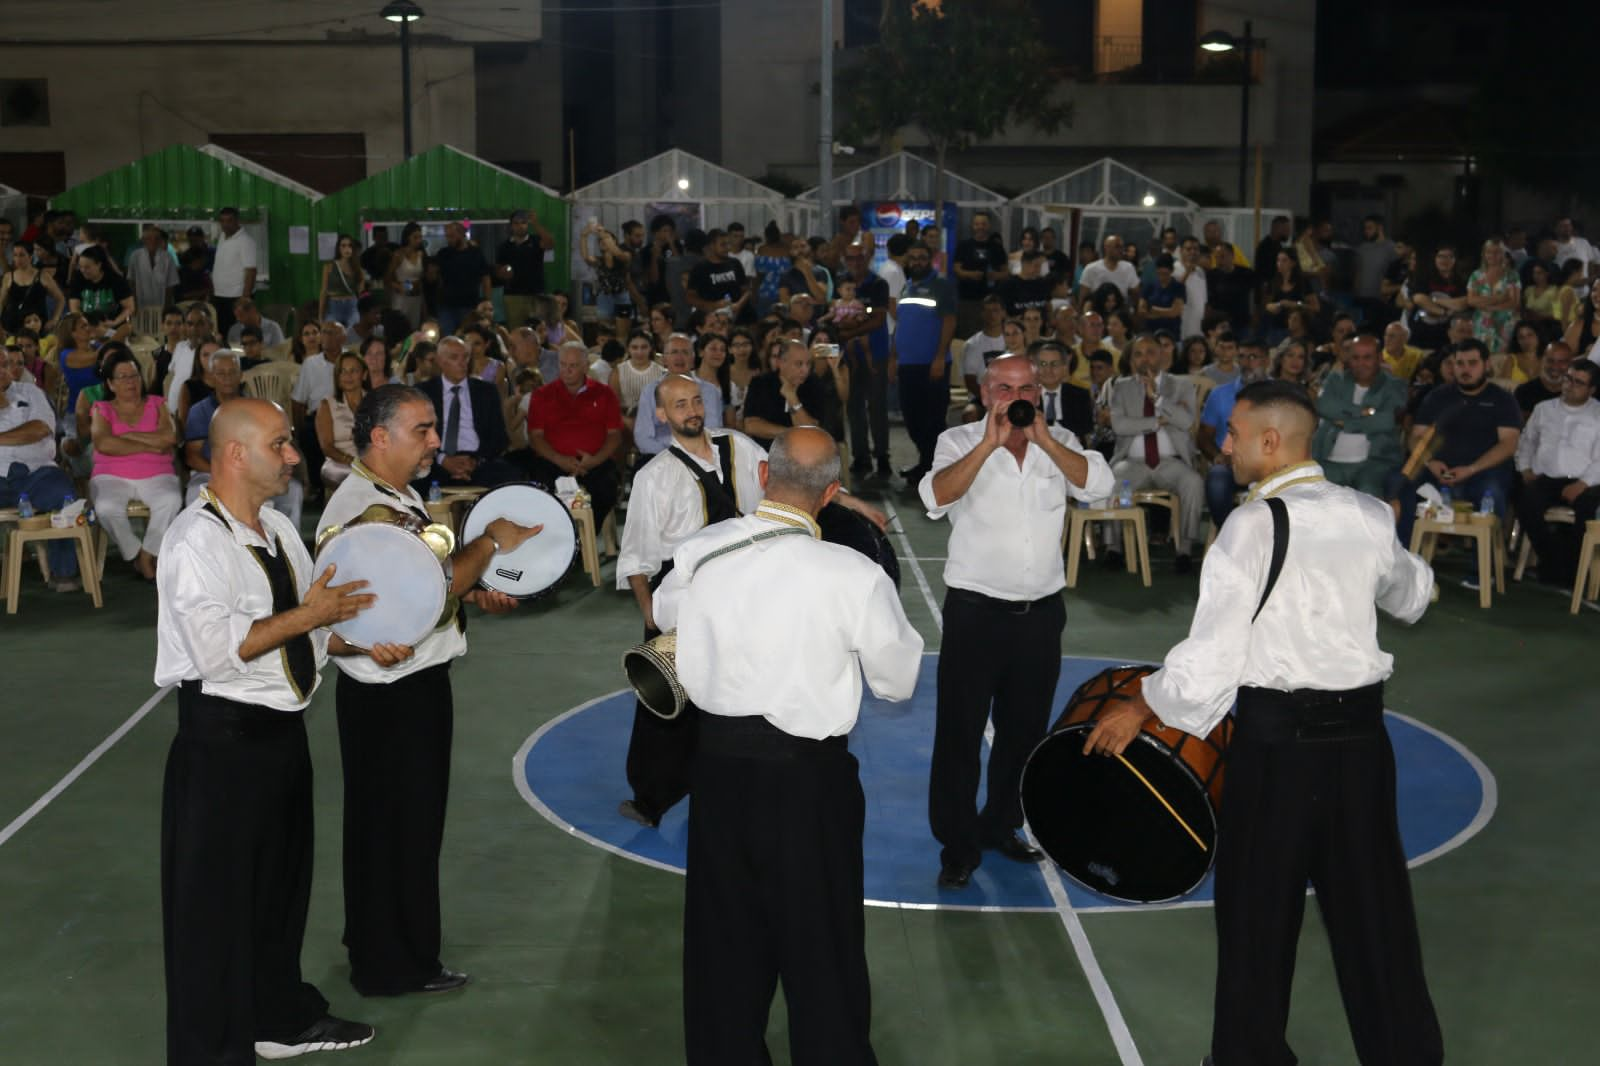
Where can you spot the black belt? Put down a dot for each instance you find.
(1274, 717)
(1006, 606)
(205, 713)
(753, 737)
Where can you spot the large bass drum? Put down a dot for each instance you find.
(541, 561)
(841, 525)
(1139, 827)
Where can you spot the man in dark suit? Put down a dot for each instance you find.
(1061, 403)
(472, 429)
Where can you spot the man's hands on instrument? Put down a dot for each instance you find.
(327, 603)
(510, 536)
(998, 428)
(1117, 726)
(491, 601)
(387, 655)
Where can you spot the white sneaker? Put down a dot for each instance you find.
(325, 1034)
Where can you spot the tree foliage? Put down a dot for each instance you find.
(957, 72)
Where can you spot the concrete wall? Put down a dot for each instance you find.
(770, 65)
(109, 106)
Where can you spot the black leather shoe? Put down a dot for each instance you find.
(954, 875)
(1185, 564)
(1113, 560)
(631, 810)
(914, 474)
(448, 980)
(884, 469)
(1016, 849)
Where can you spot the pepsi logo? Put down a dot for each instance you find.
(886, 216)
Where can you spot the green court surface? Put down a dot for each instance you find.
(575, 952)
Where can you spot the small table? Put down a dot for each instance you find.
(1485, 530)
(583, 518)
(87, 571)
(1135, 539)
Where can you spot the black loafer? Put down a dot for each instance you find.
(447, 980)
(1016, 849)
(954, 875)
(634, 812)
(1185, 564)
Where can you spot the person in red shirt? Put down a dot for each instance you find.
(575, 430)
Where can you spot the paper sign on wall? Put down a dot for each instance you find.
(299, 240)
(327, 245)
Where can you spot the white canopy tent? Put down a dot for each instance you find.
(1102, 198)
(677, 183)
(901, 176)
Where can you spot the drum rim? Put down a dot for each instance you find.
(1080, 728)
(572, 525)
(444, 579)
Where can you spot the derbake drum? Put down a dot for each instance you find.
(1139, 827)
(653, 675)
(400, 568)
(542, 560)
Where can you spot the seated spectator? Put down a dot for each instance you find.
(1479, 425)
(472, 430)
(483, 351)
(1193, 356)
(1550, 382)
(981, 349)
(1161, 302)
(575, 430)
(1212, 432)
(1541, 297)
(603, 362)
(1061, 402)
(1399, 357)
(711, 365)
(1102, 371)
(173, 333)
(1224, 365)
(250, 348)
(1153, 415)
(636, 374)
(650, 434)
(1119, 329)
(135, 439)
(1358, 439)
(831, 373)
(101, 293)
(336, 419)
(1559, 460)
(1433, 296)
(1290, 362)
(27, 461)
(223, 368)
(1029, 287)
(786, 396)
(1519, 364)
(247, 313)
(374, 353)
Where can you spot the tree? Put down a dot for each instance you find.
(957, 71)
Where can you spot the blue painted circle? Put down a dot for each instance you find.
(572, 771)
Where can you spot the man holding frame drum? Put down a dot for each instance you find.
(395, 719)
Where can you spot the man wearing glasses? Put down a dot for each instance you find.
(1558, 458)
(1061, 403)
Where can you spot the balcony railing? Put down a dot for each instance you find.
(1128, 60)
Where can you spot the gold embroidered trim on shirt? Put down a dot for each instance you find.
(773, 511)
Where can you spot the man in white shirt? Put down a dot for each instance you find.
(1193, 275)
(1005, 489)
(396, 719)
(152, 271)
(1571, 246)
(314, 384)
(1113, 267)
(197, 331)
(240, 631)
(1558, 457)
(28, 461)
(704, 476)
(1153, 415)
(233, 274)
(981, 349)
(893, 272)
(775, 870)
(1310, 792)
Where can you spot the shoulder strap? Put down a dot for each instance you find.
(724, 445)
(1280, 549)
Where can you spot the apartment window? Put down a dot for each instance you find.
(24, 102)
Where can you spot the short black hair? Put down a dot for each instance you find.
(378, 408)
(630, 225)
(1473, 344)
(1589, 369)
(246, 332)
(898, 244)
(1278, 392)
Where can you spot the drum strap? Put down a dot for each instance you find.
(297, 654)
(1280, 549)
(729, 549)
(717, 498)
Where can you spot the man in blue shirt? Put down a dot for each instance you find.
(920, 358)
(1212, 432)
(223, 369)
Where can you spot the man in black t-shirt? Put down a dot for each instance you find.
(1228, 289)
(782, 398)
(375, 260)
(1027, 289)
(980, 262)
(718, 280)
(519, 266)
(1276, 240)
(1479, 426)
(463, 278)
(1060, 263)
(1552, 379)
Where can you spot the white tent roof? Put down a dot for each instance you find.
(1106, 183)
(250, 166)
(904, 176)
(659, 178)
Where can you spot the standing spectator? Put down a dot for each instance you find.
(1229, 289)
(403, 278)
(831, 254)
(1314, 254)
(1494, 293)
(633, 244)
(663, 248)
(575, 430)
(675, 273)
(1163, 300)
(1374, 255)
(737, 249)
(233, 271)
(152, 270)
(1559, 460)
(927, 324)
(868, 338)
(343, 281)
(1432, 296)
(247, 312)
(1153, 415)
(1212, 231)
(771, 263)
(981, 349)
(1111, 268)
(718, 282)
(194, 266)
(980, 263)
(1059, 262)
(8, 236)
(463, 279)
(1276, 240)
(375, 260)
(519, 266)
(27, 462)
(135, 439)
(28, 290)
(805, 275)
(609, 260)
(1358, 438)
(1028, 287)
(1188, 270)
(1571, 246)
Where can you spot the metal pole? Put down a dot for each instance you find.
(825, 126)
(1244, 111)
(405, 81)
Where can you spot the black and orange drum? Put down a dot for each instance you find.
(1139, 827)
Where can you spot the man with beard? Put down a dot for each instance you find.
(396, 718)
(1212, 433)
(927, 323)
(705, 475)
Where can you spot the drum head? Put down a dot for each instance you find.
(542, 560)
(1141, 833)
(400, 570)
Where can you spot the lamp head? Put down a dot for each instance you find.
(1219, 41)
(401, 11)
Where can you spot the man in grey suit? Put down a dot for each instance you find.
(1153, 415)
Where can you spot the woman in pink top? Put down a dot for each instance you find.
(134, 443)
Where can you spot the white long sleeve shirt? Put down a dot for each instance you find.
(785, 628)
(667, 505)
(1319, 629)
(1006, 529)
(26, 403)
(1562, 441)
(211, 591)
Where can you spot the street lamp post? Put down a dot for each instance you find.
(1223, 41)
(404, 12)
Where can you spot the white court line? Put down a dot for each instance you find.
(1121, 1036)
(77, 771)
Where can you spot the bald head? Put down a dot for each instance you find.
(252, 449)
(676, 387)
(802, 469)
(243, 421)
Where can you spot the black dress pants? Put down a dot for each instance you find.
(601, 483)
(1310, 795)
(1002, 659)
(394, 745)
(1557, 546)
(774, 892)
(236, 853)
(925, 404)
